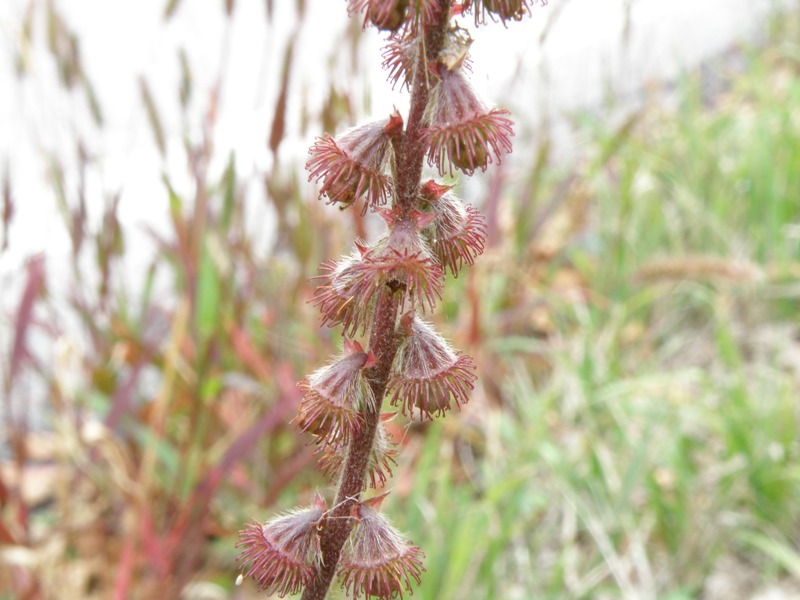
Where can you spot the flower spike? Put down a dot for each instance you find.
(351, 166)
(282, 554)
(336, 395)
(428, 375)
(378, 562)
(462, 132)
(380, 292)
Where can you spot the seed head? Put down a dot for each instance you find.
(458, 233)
(404, 258)
(428, 375)
(336, 395)
(399, 57)
(386, 15)
(351, 165)
(345, 295)
(378, 562)
(282, 554)
(462, 132)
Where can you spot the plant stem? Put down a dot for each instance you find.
(384, 340)
(412, 155)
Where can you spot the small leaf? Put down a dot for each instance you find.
(229, 189)
(94, 103)
(186, 79)
(7, 212)
(170, 8)
(152, 116)
(783, 554)
(279, 118)
(208, 295)
(34, 286)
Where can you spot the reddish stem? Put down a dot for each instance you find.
(412, 151)
(384, 342)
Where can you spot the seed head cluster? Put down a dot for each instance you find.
(382, 293)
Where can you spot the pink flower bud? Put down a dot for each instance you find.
(336, 395)
(462, 132)
(351, 165)
(282, 554)
(401, 259)
(458, 233)
(430, 191)
(386, 15)
(378, 561)
(428, 375)
(345, 296)
(504, 10)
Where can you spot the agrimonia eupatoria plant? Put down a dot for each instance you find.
(381, 293)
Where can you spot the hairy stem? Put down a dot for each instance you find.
(384, 342)
(412, 151)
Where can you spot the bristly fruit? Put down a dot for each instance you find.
(282, 554)
(506, 9)
(461, 131)
(389, 15)
(378, 561)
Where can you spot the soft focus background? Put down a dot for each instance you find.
(635, 431)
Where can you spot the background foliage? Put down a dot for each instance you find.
(636, 429)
